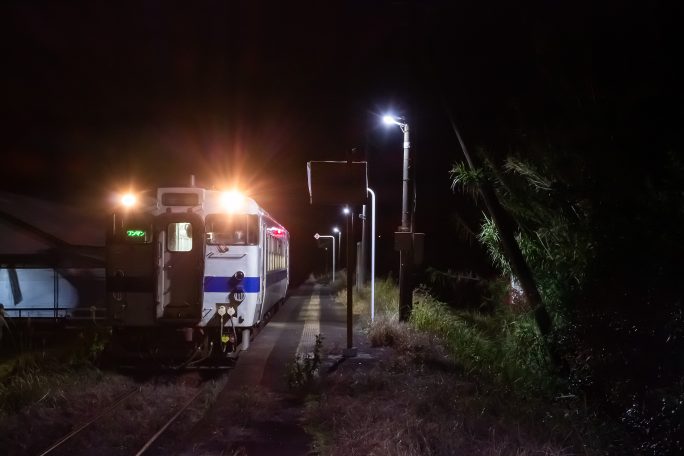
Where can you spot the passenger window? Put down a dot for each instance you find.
(179, 237)
(228, 229)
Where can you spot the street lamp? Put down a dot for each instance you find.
(405, 254)
(338, 231)
(317, 237)
(391, 120)
(346, 211)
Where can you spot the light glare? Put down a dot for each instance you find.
(128, 200)
(389, 120)
(232, 200)
(345, 210)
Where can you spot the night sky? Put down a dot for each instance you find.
(97, 98)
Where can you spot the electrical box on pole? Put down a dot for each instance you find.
(409, 241)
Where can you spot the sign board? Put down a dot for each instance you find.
(337, 182)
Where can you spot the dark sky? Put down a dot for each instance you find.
(100, 97)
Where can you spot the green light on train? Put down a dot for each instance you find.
(135, 233)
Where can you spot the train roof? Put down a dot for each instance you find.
(201, 200)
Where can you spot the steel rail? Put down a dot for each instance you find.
(90, 421)
(168, 423)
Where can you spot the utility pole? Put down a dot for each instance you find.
(404, 238)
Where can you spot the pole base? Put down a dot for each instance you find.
(350, 352)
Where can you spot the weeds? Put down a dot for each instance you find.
(303, 371)
(31, 375)
(504, 347)
(417, 402)
(459, 382)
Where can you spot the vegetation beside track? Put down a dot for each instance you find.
(58, 384)
(449, 382)
(37, 368)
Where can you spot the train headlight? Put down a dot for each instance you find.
(232, 201)
(128, 200)
(239, 275)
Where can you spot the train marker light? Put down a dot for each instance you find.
(277, 232)
(232, 200)
(128, 200)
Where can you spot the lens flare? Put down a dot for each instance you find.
(128, 200)
(232, 200)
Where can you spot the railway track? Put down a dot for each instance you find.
(116, 404)
(78, 429)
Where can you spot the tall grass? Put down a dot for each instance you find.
(34, 375)
(386, 299)
(503, 346)
(446, 388)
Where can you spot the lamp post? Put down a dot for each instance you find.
(372, 193)
(317, 237)
(346, 211)
(338, 232)
(390, 120)
(405, 251)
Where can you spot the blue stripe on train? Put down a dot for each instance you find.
(248, 284)
(228, 284)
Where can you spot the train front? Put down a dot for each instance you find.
(181, 266)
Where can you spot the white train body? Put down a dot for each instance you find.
(192, 258)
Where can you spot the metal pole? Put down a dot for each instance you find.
(405, 181)
(339, 244)
(359, 247)
(318, 236)
(350, 277)
(361, 269)
(372, 193)
(405, 255)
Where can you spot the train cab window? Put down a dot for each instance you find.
(232, 229)
(179, 237)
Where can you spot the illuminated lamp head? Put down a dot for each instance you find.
(128, 200)
(232, 201)
(389, 120)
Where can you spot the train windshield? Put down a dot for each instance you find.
(232, 229)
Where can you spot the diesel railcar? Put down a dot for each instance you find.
(192, 273)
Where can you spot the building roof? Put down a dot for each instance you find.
(30, 226)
